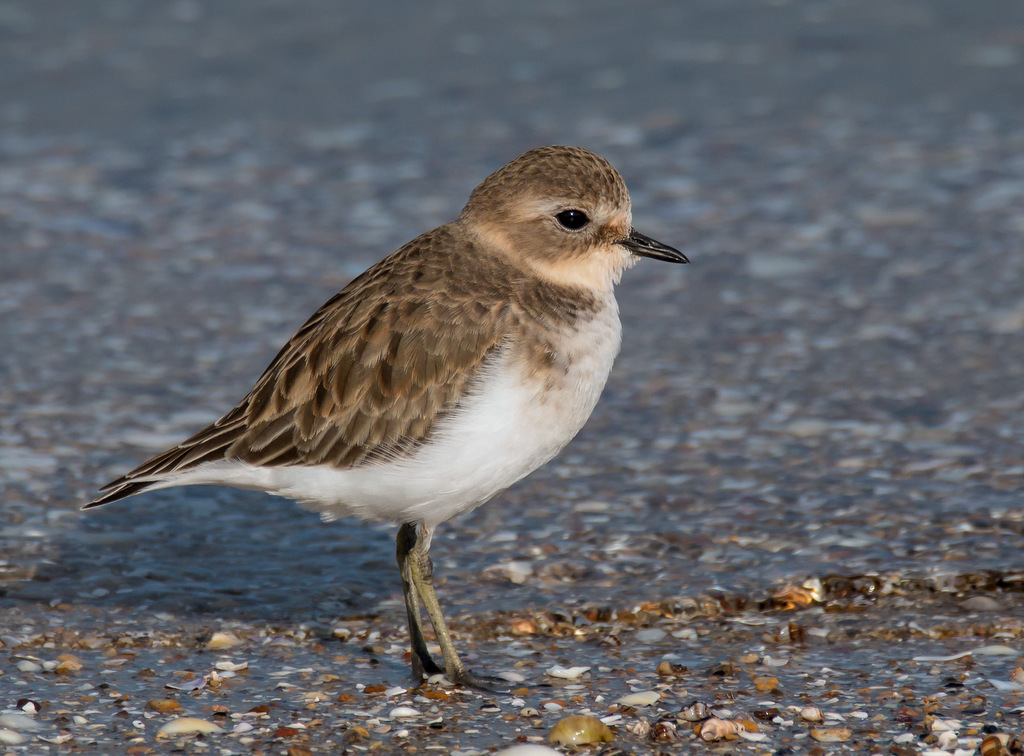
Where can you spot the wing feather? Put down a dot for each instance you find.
(368, 376)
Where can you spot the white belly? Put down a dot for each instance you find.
(511, 424)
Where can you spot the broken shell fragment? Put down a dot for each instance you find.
(220, 641)
(642, 698)
(567, 673)
(579, 729)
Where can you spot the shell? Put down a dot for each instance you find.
(812, 714)
(696, 711)
(664, 732)
(188, 726)
(995, 745)
(642, 698)
(714, 729)
(219, 641)
(578, 729)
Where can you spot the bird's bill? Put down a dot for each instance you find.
(645, 246)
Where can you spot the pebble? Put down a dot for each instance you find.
(188, 726)
(831, 735)
(529, 750)
(163, 705)
(579, 729)
(26, 665)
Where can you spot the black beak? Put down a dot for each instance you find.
(645, 246)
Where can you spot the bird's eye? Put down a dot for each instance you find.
(573, 220)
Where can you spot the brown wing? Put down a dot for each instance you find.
(367, 376)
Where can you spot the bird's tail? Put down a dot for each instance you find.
(210, 444)
(120, 489)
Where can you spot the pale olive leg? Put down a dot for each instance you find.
(418, 585)
(423, 664)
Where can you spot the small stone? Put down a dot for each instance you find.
(579, 729)
(832, 735)
(27, 665)
(163, 705)
(188, 726)
(667, 668)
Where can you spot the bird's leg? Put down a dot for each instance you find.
(421, 570)
(413, 552)
(423, 664)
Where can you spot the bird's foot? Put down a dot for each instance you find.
(485, 683)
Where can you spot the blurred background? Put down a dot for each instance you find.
(833, 387)
(183, 182)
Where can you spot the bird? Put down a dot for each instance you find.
(440, 376)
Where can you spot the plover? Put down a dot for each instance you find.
(440, 376)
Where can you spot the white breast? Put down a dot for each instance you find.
(509, 425)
